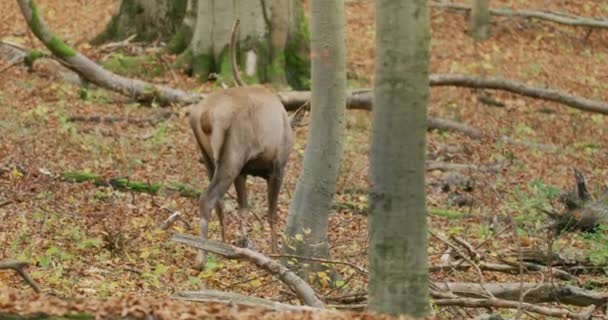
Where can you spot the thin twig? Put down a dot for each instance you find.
(463, 256)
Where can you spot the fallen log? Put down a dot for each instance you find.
(506, 304)
(304, 292)
(535, 292)
(235, 298)
(505, 268)
(137, 89)
(555, 17)
(126, 184)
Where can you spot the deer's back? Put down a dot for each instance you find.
(252, 123)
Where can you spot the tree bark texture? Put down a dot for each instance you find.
(306, 232)
(183, 35)
(479, 20)
(272, 42)
(398, 282)
(150, 19)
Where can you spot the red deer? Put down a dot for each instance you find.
(240, 131)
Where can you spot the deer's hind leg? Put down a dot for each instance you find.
(219, 210)
(274, 182)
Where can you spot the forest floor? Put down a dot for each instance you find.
(88, 241)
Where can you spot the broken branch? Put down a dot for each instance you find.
(304, 292)
(19, 267)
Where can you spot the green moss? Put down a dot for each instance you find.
(108, 33)
(79, 176)
(184, 61)
(117, 28)
(276, 70)
(183, 190)
(178, 11)
(60, 48)
(223, 66)
(297, 57)
(31, 57)
(143, 66)
(126, 184)
(202, 65)
(56, 45)
(446, 213)
(35, 20)
(180, 40)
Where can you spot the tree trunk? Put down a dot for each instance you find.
(398, 282)
(306, 232)
(272, 45)
(182, 37)
(479, 21)
(150, 19)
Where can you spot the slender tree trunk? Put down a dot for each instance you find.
(479, 21)
(306, 233)
(398, 282)
(149, 19)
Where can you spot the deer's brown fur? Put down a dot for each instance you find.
(241, 131)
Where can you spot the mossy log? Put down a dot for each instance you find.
(126, 184)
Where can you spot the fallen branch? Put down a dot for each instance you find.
(496, 83)
(504, 268)
(235, 298)
(131, 185)
(359, 269)
(506, 304)
(19, 267)
(140, 90)
(448, 166)
(304, 292)
(554, 17)
(536, 293)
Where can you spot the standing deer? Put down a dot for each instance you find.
(240, 131)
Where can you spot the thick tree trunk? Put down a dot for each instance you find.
(479, 21)
(182, 37)
(398, 282)
(306, 232)
(272, 45)
(149, 19)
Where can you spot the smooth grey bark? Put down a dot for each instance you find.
(479, 21)
(398, 282)
(265, 47)
(149, 19)
(306, 232)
